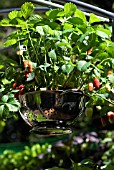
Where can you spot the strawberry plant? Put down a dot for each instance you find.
(8, 104)
(62, 50)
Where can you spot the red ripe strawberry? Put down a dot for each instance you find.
(16, 95)
(21, 91)
(96, 82)
(110, 115)
(26, 74)
(21, 86)
(30, 70)
(14, 85)
(90, 86)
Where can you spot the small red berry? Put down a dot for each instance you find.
(25, 63)
(21, 91)
(110, 115)
(21, 86)
(96, 82)
(29, 64)
(16, 95)
(26, 74)
(14, 85)
(30, 70)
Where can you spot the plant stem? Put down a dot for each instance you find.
(31, 42)
(70, 75)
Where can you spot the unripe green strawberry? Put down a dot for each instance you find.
(109, 72)
(90, 86)
(98, 107)
(96, 82)
(89, 112)
(108, 88)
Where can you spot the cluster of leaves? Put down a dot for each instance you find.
(8, 103)
(67, 50)
(79, 152)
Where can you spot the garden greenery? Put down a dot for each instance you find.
(78, 153)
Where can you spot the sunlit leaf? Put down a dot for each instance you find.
(93, 18)
(80, 15)
(13, 14)
(52, 14)
(67, 68)
(52, 55)
(27, 9)
(69, 9)
(81, 64)
(10, 42)
(12, 107)
(1, 110)
(4, 98)
(40, 30)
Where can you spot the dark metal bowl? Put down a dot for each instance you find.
(52, 112)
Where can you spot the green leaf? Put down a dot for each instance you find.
(5, 22)
(48, 30)
(80, 15)
(52, 55)
(75, 21)
(82, 65)
(27, 9)
(2, 89)
(13, 14)
(67, 68)
(102, 34)
(6, 111)
(111, 78)
(107, 31)
(10, 42)
(75, 36)
(40, 30)
(5, 98)
(12, 108)
(13, 101)
(35, 17)
(85, 66)
(52, 14)
(1, 110)
(82, 37)
(93, 18)
(69, 9)
(62, 44)
(31, 76)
